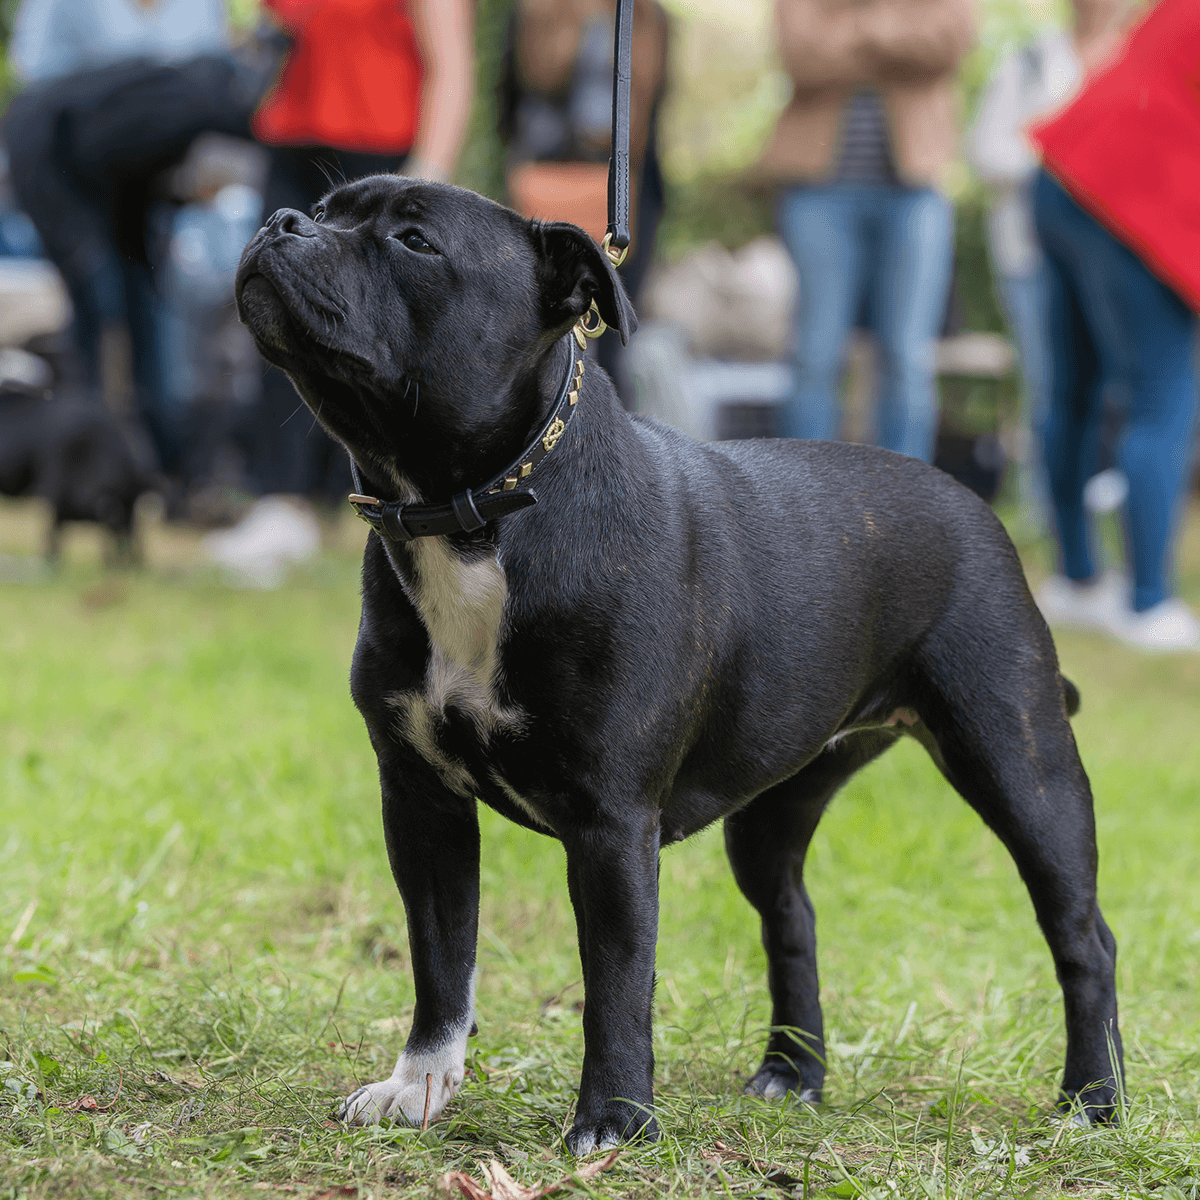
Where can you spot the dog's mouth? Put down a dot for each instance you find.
(264, 312)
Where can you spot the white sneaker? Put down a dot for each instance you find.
(1097, 604)
(257, 552)
(1169, 627)
(1105, 492)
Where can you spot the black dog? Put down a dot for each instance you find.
(72, 451)
(671, 634)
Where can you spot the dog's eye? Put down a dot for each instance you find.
(415, 242)
(319, 215)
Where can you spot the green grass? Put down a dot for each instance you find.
(207, 950)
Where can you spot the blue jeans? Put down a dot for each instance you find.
(1114, 328)
(1026, 301)
(891, 246)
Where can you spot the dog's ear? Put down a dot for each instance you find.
(575, 271)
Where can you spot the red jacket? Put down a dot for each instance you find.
(352, 79)
(1128, 147)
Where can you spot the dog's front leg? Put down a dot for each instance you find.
(433, 845)
(612, 870)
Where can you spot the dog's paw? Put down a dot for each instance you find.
(433, 1076)
(618, 1123)
(1095, 1105)
(773, 1082)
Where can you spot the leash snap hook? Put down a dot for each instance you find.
(612, 253)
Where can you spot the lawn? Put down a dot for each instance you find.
(201, 948)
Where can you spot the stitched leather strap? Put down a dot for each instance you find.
(404, 522)
(466, 512)
(618, 163)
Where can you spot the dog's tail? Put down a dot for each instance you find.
(1070, 696)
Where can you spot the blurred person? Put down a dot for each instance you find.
(1026, 84)
(53, 38)
(369, 87)
(861, 151)
(1115, 211)
(556, 121)
(116, 91)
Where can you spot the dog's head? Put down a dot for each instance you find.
(418, 320)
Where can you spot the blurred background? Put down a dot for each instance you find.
(715, 288)
(714, 305)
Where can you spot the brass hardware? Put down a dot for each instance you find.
(355, 498)
(616, 257)
(579, 336)
(573, 397)
(553, 434)
(510, 483)
(525, 469)
(591, 331)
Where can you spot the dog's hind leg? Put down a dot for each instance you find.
(766, 842)
(433, 845)
(1005, 744)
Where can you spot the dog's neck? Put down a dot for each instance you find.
(434, 466)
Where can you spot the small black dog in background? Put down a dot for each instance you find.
(70, 449)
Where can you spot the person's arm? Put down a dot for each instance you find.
(912, 40)
(445, 39)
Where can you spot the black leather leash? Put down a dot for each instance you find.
(474, 508)
(617, 238)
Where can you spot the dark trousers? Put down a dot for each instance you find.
(289, 451)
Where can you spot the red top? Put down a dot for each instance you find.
(1128, 147)
(352, 80)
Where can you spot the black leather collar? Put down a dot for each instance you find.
(474, 508)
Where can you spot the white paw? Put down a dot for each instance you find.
(591, 1140)
(399, 1098)
(429, 1076)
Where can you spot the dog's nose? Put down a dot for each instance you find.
(288, 220)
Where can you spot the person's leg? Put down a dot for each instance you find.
(1026, 304)
(1154, 447)
(153, 404)
(822, 229)
(1075, 379)
(1143, 336)
(910, 279)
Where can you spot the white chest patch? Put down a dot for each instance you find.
(462, 607)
